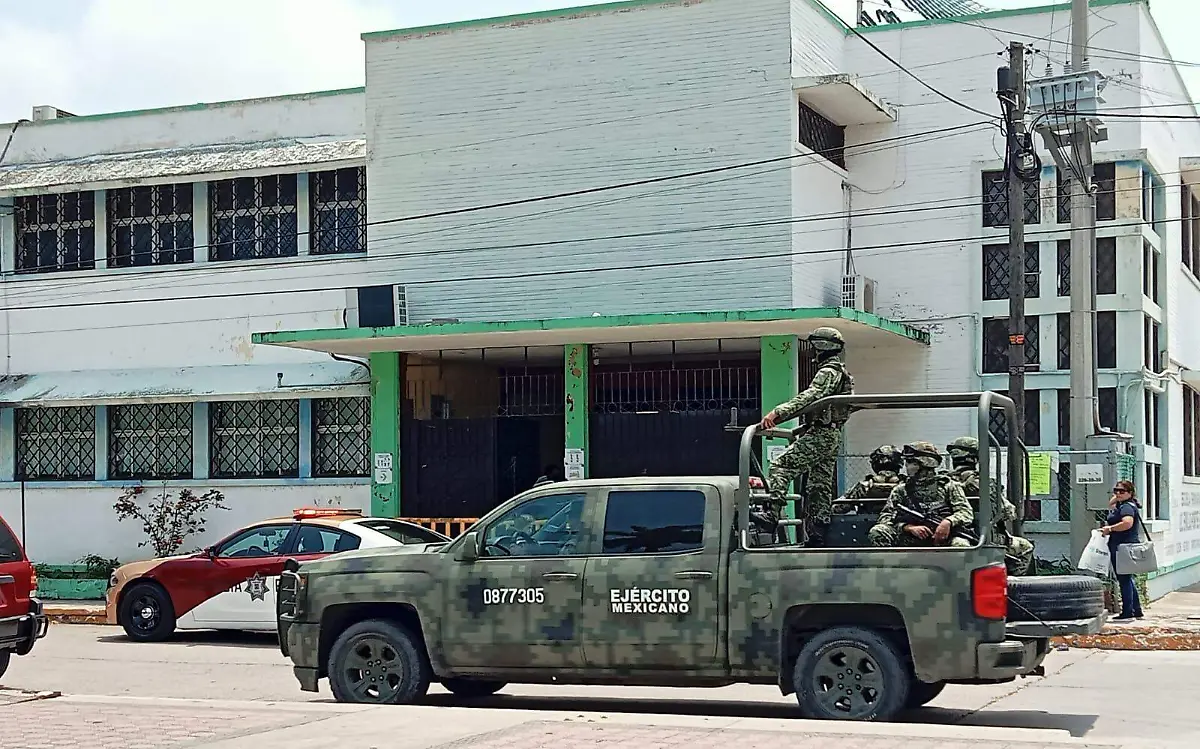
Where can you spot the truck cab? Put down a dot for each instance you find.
(660, 581)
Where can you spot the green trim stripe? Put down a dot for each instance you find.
(599, 321)
(200, 106)
(1173, 568)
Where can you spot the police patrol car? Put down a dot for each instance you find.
(231, 584)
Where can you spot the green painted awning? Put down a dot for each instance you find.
(859, 328)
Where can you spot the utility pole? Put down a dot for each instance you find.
(1083, 276)
(1011, 89)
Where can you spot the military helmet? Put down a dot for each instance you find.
(924, 453)
(964, 447)
(886, 456)
(826, 339)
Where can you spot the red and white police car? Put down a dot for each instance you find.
(231, 584)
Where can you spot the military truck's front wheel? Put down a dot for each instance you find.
(378, 662)
(850, 673)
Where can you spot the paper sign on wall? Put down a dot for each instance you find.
(573, 463)
(1039, 474)
(1089, 473)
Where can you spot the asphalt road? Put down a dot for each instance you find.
(1095, 695)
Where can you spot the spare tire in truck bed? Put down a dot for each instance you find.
(1054, 597)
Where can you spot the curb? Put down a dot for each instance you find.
(1141, 638)
(76, 614)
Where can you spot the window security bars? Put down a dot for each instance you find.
(255, 439)
(55, 444)
(676, 390)
(150, 226)
(150, 441)
(995, 200)
(341, 437)
(1106, 266)
(531, 393)
(339, 211)
(56, 232)
(1106, 340)
(822, 136)
(995, 343)
(996, 271)
(253, 217)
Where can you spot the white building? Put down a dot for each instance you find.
(494, 112)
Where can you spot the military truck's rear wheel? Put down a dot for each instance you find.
(921, 693)
(850, 673)
(380, 663)
(473, 689)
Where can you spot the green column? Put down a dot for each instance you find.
(779, 369)
(385, 434)
(577, 363)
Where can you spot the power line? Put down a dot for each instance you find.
(902, 246)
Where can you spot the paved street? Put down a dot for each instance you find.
(230, 691)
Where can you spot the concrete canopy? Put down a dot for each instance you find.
(859, 328)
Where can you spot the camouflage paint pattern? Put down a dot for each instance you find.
(875, 486)
(936, 497)
(815, 453)
(719, 615)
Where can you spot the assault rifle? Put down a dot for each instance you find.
(911, 516)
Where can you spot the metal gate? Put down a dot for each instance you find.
(656, 420)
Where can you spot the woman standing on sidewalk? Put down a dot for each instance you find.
(1120, 528)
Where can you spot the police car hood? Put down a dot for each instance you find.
(364, 560)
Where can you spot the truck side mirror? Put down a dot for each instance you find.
(468, 550)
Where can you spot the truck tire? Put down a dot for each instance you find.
(1054, 597)
(850, 673)
(921, 693)
(473, 689)
(378, 662)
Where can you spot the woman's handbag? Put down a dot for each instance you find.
(1137, 558)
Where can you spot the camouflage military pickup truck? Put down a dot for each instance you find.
(660, 582)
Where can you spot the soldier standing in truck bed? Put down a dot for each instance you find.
(815, 452)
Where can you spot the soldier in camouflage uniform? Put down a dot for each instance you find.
(935, 496)
(964, 455)
(886, 465)
(815, 452)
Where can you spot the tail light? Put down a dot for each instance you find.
(989, 592)
(32, 580)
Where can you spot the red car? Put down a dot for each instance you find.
(22, 622)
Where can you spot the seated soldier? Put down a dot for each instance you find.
(939, 499)
(886, 463)
(964, 456)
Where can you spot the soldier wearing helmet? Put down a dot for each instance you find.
(935, 496)
(886, 465)
(964, 456)
(815, 452)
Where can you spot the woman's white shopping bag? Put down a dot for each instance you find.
(1095, 556)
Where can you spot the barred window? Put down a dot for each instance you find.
(255, 439)
(1191, 431)
(1151, 405)
(1150, 343)
(1106, 402)
(822, 136)
(150, 441)
(1033, 421)
(995, 343)
(1106, 266)
(56, 232)
(1063, 196)
(996, 271)
(339, 211)
(1106, 340)
(150, 225)
(995, 200)
(55, 444)
(253, 217)
(341, 437)
(1104, 176)
(1150, 278)
(1189, 240)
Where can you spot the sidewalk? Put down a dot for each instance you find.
(154, 723)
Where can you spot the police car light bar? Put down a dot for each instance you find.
(323, 512)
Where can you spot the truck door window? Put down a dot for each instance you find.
(542, 527)
(654, 522)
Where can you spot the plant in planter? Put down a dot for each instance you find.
(168, 520)
(87, 579)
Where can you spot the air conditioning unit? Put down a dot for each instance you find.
(377, 306)
(858, 292)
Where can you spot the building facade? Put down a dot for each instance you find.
(589, 235)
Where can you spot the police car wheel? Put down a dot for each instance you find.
(472, 688)
(378, 662)
(850, 673)
(146, 613)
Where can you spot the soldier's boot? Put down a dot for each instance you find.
(816, 531)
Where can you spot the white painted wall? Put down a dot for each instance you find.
(300, 116)
(67, 522)
(481, 115)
